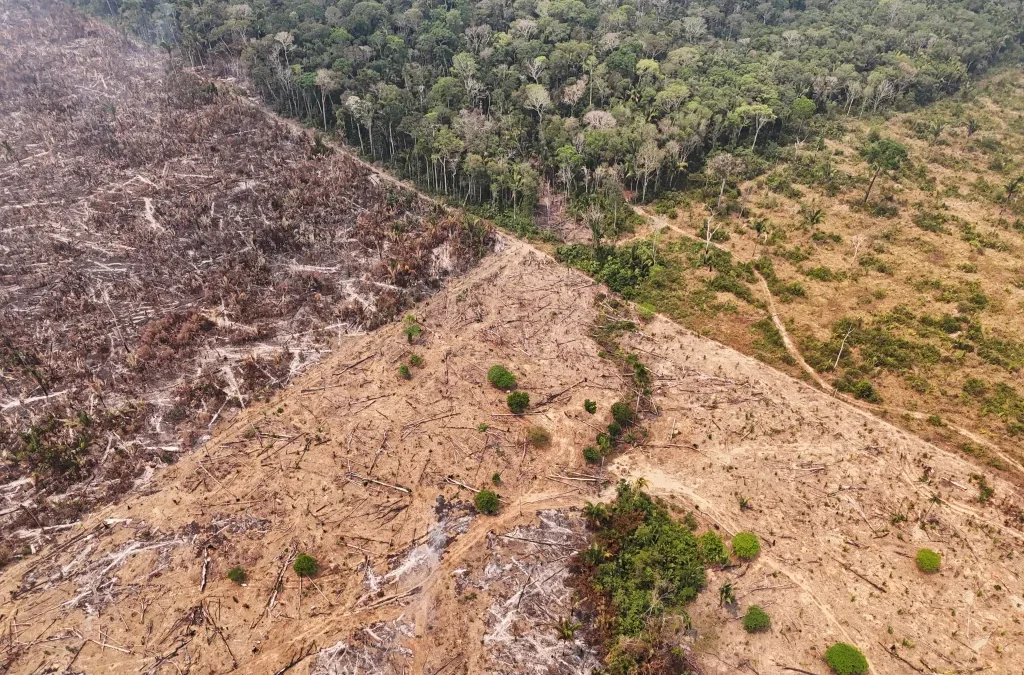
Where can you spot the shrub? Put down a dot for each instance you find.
(518, 402)
(404, 372)
(756, 620)
(846, 659)
(590, 406)
(712, 550)
(487, 502)
(496, 478)
(928, 561)
(237, 574)
(415, 360)
(305, 565)
(501, 378)
(411, 328)
(538, 436)
(591, 454)
(746, 545)
(622, 414)
(614, 430)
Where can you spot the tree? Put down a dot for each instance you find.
(537, 99)
(724, 166)
(801, 110)
(757, 115)
(883, 155)
(329, 82)
(649, 159)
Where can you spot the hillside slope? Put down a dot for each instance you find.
(361, 469)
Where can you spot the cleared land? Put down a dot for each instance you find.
(368, 461)
(170, 254)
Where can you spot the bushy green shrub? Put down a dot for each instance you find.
(404, 372)
(756, 620)
(237, 574)
(622, 414)
(928, 561)
(415, 360)
(746, 545)
(590, 406)
(712, 550)
(538, 436)
(518, 402)
(487, 502)
(846, 659)
(591, 454)
(501, 378)
(305, 565)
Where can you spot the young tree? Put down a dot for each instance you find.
(883, 155)
(537, 99)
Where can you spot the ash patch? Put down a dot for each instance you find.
(377, 649)
(527, 576)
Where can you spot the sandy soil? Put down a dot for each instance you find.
(355, 467)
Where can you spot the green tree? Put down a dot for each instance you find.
(883, 155)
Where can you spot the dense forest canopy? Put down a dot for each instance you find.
(485, 99)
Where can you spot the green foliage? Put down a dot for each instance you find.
(482, 427)
(567, 628)
(404, 372)
(305, 565)
(590, 406)
(712, 549)
(487, 502)
(623, 414)
(496, 478)
(411, 328)
(756, 620)
(538, 436)
(746, 545)
(846, 659)
(237, 575)
(518, 402)
(591, 454)
(643, 563)
(928, 561)
(985, 491)
(415, 360)
(501, 378)
(726, 594)
(624, 268)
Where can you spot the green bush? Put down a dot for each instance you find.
(538, 436)
(591, 454)
(590, 406)
(411, 327)
(712, 550)
(404, 372)
(622, 414)
(928, 561)
(487, 502)
(756, 620)
(237, 574)
(501, 378)
(518, 402)
(415, 360)
(846, 659)
(305, 565)
(746, 545)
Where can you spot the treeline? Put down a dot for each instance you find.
(484, 99)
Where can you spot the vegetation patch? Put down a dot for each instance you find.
(746, 545)
(756, 620)
(638, 574)
(237, 575)
(487, 502)
(846, 659)
(305, 565)
(501, 378)
(518, 402)
(928, 561)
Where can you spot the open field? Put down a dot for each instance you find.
(911, 302)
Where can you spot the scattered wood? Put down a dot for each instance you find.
(367, 479)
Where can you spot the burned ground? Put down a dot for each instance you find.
(170, 253)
